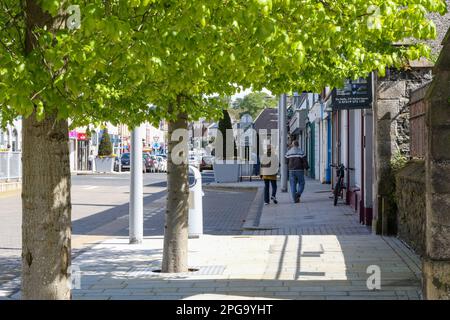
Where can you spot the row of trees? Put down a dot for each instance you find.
(147, 60)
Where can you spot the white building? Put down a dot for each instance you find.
(11, 138)
(10, 151)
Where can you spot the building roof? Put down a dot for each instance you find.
(213, 125)
(267, 119)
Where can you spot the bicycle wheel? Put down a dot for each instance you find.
(336, 193)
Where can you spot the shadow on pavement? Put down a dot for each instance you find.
(88, 225)
(128, 274)
(224, 213)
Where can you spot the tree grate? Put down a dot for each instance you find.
(193, 271)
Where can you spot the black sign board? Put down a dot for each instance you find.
(356, 94)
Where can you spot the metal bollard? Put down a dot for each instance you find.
(195, 220)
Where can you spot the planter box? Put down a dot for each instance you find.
(227, 171)
(104, 164)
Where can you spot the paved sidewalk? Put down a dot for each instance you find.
(256, 267)
(315, 215)
(311, 250)
(220, 218)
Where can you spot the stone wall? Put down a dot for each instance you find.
(410, 198)
(392, 127)
(394, 97)
(437, 182)
(391, 137)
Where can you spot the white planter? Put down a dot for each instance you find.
(104, 164)
(226, 172)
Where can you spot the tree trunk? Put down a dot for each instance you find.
(46, 209)
(176, 225)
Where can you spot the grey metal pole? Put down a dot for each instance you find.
(280, 103)
(136, 226)
(8, 165)
(283, 141)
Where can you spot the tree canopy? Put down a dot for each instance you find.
(253, 103)
(131, 61)
(128, 54)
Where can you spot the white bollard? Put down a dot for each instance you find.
(196, 194)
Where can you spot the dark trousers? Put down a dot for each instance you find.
(267, 183)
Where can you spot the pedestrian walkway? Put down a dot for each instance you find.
(315, 215)
(310, 250)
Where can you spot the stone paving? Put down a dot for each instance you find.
(250, 267)
(219, 218)
(311, 250)
(315, 215)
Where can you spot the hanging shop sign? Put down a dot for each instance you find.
(81, 136)
(356, 94)
(73, 134)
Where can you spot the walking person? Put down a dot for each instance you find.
(269, 173)
(297, 164)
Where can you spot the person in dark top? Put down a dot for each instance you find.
(297, 164)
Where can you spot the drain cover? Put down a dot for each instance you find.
(195, 270)
(210, 270)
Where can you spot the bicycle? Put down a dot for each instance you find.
(340, 186)
(338, 190)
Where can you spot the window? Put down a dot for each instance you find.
(15, 140)
(94, 138)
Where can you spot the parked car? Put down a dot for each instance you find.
(155, 164)
(125, 163)
(206, 163)
(150, 162)
(162, 164)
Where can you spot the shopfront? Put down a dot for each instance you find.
(352, 110)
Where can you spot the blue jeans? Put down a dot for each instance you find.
(297, 177)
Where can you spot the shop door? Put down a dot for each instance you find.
(82, 155)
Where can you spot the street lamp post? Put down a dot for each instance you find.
(283, 140)
(136, 227)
